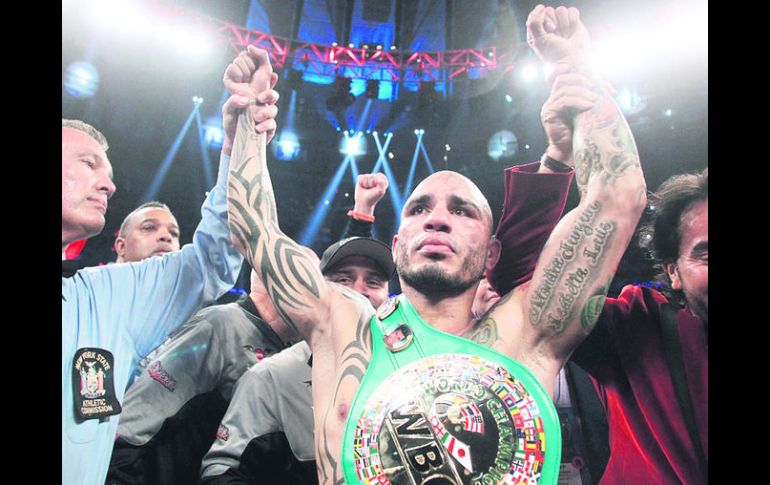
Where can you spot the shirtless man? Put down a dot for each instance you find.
(379, 418)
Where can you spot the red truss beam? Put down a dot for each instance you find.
(358, 63)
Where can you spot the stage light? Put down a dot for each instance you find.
(508, 98)
(379, 47)
(287, 147)
(390, 155)
(326, 202)
(374, 133)
(163, 33)
(81, 79)
(197, 100)
(366, 46)
(393, 47)
(416, 132)
(447, 147)
(191, 43)
(351, 45)
(630, 101)
(668, 112)
(353, 146)
(529, 72)
(334, 44)
(526, 147)
(503, 145)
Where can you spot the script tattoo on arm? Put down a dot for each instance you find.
(292, 279)
(585, 248)
(571, 269)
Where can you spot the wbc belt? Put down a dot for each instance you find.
(434, 408)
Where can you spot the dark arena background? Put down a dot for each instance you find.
(406, 87)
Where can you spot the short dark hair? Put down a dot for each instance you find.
(88, 130)
(152, 203)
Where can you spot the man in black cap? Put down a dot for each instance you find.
(362, 264)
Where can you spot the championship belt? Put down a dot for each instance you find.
(434, 408)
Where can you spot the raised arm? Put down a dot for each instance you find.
(565, 297)
(370, 189)
(292, 278)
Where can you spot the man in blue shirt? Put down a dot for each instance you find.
(112, 315)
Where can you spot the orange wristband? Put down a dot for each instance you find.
(359, 216)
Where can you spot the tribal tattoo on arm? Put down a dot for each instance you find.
(292, 279)
(354, 361)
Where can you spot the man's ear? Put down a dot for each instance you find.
(120, 246)
(493, 256)
(393, 246)
(673, 274)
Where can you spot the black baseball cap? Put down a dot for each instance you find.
(359, 246)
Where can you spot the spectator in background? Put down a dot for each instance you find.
(149, 230)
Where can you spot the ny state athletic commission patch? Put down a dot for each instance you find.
(463, 420)
(93, 376)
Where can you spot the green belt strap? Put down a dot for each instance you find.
(446, 410)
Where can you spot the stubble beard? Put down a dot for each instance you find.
(435, 282)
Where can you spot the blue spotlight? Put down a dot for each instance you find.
(288, 146)
(353, 145)
(151, 192)
(81, 79)
(197, 100)
(203, 145)
(322, 208)
(395, 194)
